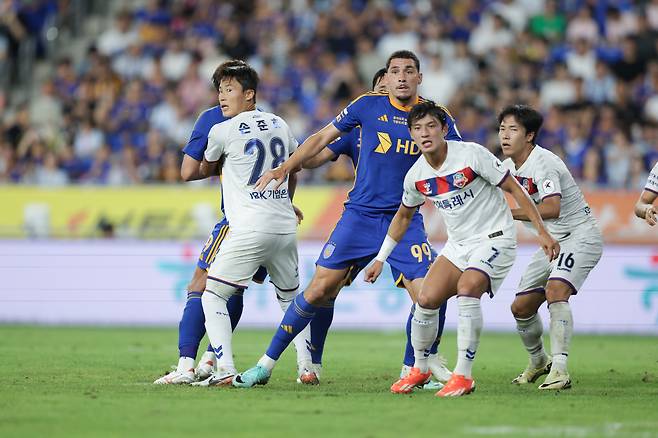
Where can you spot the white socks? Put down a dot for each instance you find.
(218, 327)
(561, 331)
(531, 331)
(303, 339)
(469, 327)
(424, 328)
(185, 364)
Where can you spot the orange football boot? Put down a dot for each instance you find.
(407, 383)
(458, 385)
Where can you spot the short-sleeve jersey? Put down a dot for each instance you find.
(251, 143)
(387, 151)
(198, 141)
(543, 175)
(347, 144)
(652, 181)
(464, 190)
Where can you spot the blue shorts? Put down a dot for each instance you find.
(356, 240)
(212, 245)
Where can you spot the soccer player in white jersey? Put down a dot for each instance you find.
(568, 217)
(263, 223)
(463, 180)
(644, 208)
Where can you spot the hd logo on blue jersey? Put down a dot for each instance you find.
(408, 147)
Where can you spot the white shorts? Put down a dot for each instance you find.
(579, 253)
(492, 257)
(243, 252)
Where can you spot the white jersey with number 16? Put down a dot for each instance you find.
(252, 143)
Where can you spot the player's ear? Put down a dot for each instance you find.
(250, 95)
(530, 137)
(420, 78)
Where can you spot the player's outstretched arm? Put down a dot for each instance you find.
(549, 208)
(311, 147)
(644, 208)
(395, 233)
(323, 157)
(548, 243)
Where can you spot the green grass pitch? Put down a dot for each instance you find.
(68, 382)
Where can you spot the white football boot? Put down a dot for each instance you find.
(556, 380)
(206, 366)
(177, 377)
(308, 373)
(532, 373)
(221, 377)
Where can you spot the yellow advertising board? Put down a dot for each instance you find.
(157, 212)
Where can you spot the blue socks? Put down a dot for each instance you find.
(442, 322)
(299, 315)
(191, 327)
(192, 324)
(409, 349)
(319, 329)
(235, 305)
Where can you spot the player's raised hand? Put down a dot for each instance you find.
(278, 173)
(650, 215)
(373, 271)
(550, 246)
(298, 213)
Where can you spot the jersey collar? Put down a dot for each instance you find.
(402, 107)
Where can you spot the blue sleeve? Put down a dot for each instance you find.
(453, 132)
(196, 145)
(350, 117)
(198, 141)
(342, 145)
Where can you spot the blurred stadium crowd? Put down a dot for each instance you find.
(119, 110)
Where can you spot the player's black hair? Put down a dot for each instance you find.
(241, 71)
(427, 108)
(403, 54)
(380, 74)
(528, 117)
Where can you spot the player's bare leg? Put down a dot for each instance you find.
(530, 328)
(439, 285)
(557, 295)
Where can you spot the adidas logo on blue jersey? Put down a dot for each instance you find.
(383, 118)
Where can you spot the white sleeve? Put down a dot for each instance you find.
(411, 197)
(548, 182)
(652, 182)
(485, 164)
(216, 143)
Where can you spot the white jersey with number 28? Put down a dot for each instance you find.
(252, 143)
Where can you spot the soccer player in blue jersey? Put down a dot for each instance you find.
(387, 152)
(191, 327)
(348, 144)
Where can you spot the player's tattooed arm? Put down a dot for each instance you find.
(548, 243)
(311, 147)
(644, 208)
(549, 208)
(395, 233)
